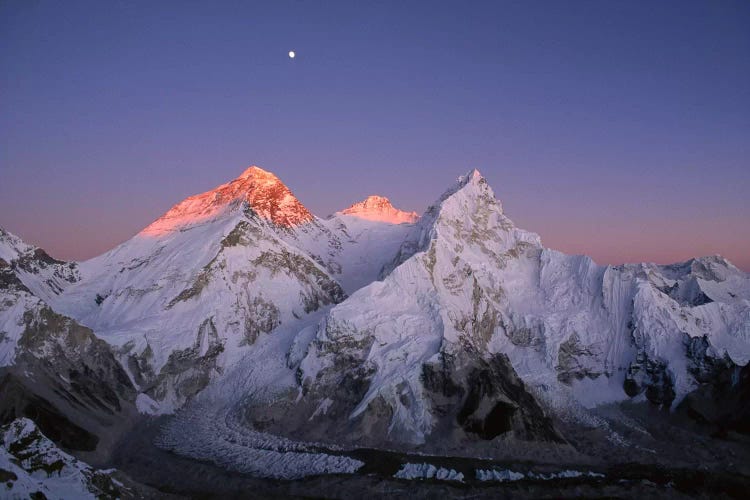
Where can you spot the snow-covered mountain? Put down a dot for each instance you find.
(32, 466)
(379, 208)
(449, 332)
(469, 289)
(370, 234)
(45, 276)
(192, 292)
(478, 331)
(52, 367)
(269, 198)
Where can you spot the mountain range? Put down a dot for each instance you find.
(278, 344)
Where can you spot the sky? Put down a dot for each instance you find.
(618, 129)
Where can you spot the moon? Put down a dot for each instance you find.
(291, 54)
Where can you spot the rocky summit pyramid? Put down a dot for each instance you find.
(280, 344)
(257, 189)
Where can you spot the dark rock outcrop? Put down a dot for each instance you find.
(485, 398)
(652, 377)
(722, 398)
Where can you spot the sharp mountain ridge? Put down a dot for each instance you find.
(447, 333)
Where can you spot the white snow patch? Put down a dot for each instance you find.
(498, 475)
(322, 409)
(148, 406)
(428, 471)
(565, 474)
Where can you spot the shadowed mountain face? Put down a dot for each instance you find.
(32, 466)
(53, 369)
(451, 333)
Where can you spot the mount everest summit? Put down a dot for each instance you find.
(263, 334)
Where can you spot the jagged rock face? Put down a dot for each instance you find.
(56, 371)
(652, 377)
(271, 199)
(576, 362)
(46, 276)
(33, 334)
(379, 208)
(186, 371)
(367, 366)
(722, 396)
(683, 313)
(92, 376)
(485, 398)
(722, 402)
(467, 280)
(22, 397)
(31, 466)
(467, 397)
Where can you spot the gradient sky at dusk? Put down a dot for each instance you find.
(619, 129)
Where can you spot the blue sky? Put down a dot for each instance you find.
(617, 129)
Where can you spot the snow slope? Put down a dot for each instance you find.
(190, 294)
(181, 306)
(31, 464)
(45, 276)
(578, 334)
(367, 245)
(459, 327)
(379, 208)
(52, 367)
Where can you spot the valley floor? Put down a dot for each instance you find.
(675, 464)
